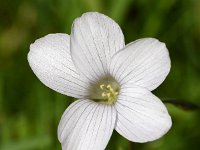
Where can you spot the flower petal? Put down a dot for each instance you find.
(145, 62)
(95, 38)
(49, 58)
(141, 116)
(86, 125)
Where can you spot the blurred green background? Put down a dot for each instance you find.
(30, 112)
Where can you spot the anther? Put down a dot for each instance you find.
(109, 86)
(116, 93)
(102, 86)
(103, 94)
(108, 95)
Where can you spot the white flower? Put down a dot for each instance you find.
(111, 81)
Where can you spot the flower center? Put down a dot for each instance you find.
(105, 91)
(108, 93)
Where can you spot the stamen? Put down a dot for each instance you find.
(104, 94)
(110, 99)
(105, 91)
(108, 95)
(109, 86)
(102, 86)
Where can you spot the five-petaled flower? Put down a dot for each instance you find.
(111, 81)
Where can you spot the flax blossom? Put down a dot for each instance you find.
(111, 81)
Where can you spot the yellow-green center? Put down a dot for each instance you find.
(105, 91)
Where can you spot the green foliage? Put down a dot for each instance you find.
(30, 112)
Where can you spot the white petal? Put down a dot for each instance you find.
(145, 62)
(95, 38)
(86, 125)
(141, 116)
(49, 58)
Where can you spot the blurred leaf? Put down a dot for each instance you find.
(118, 9)
(183, 104)
(28, 144)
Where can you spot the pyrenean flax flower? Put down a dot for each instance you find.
(111, 81)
